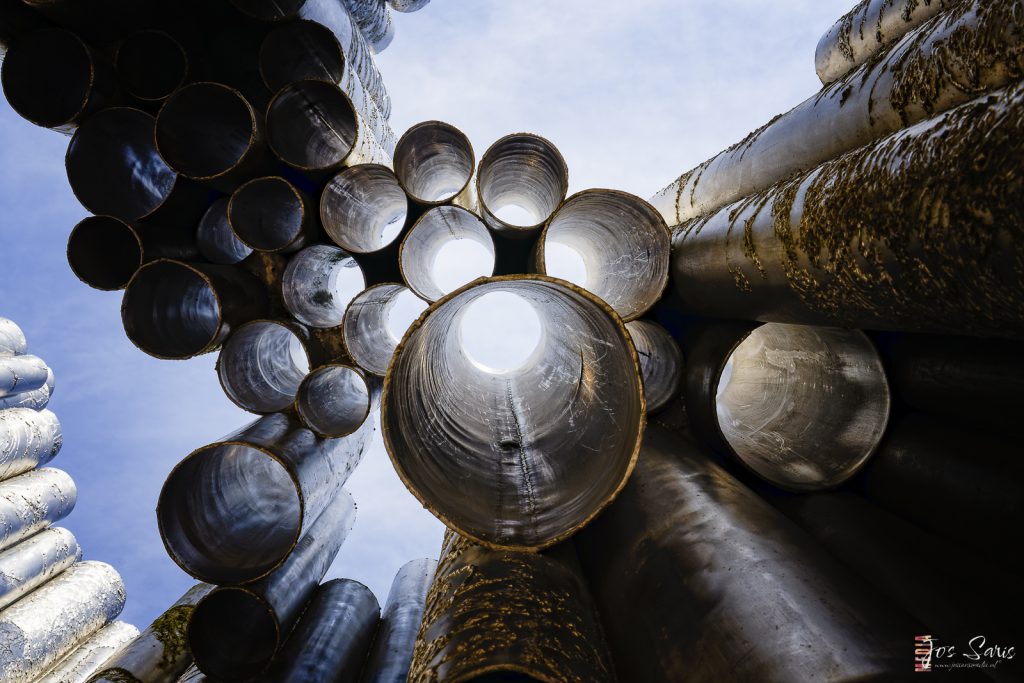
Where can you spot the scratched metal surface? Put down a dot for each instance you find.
(12, 339)
(431, 232)
(524, 170)
(434, 162)
(28, 439)
(336, 399)
(318, 284)
(34, 561)
(261, 366)
(661, 362)
(365, 328)
(374, 21)
(391, 654)
(32, 501)
(22, 373)
(215, 238)
(85, 660)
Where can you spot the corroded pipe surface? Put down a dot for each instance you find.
(319, 283)
(365, 327)
(525, 172)
(32, 501)
(335, 399)
(433, 231)
(519, 458)
(151, 65)
(216, 240)
(262, 365)
(271, 214)
(374, 21)
(970, 50)
(391, 655)
(35, 561)
(87, 658)
(12, 339)
(661, 362)
(28, 439)
(51, 621)
(857, 243)
(363, 209)
(680, 604)
(500, 615)
(234, 511)
(434, 162)
(22, 373)
(235, 632)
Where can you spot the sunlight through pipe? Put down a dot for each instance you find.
(436, 229)
(363, 209)
(28, 439)
(366, 327)
(35, 561)
(391, 655)
(661, 362)
(151, 65)
(262, 364)
(319, 283)
(271, 214)
(88, 657)
(521, 171)
(434, 162)
(334, 400)
(216, 240)
(32, 501)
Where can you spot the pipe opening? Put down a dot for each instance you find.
(434, 162)
(334, 400)
(376, 321)
(500, 332)
(233, 634)
(661, 362)
(312, 125)
(488, 452)
(299, 51)
(216, 240)
(270, 10)
(363, 208)
(151, 65)
(261, 366)
(319, 283)
(787, 389)
(446, 248)
(104, 252)
(48, 77)
(267, 214)
(522, 179)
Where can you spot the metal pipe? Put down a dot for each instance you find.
(32, 501)
(52, 620)
(98, 21)
(622, 242)
(37, 399)
(487, 451)
(521, 171)
(16, 20)
(262, 364)
(87, 658)
(34, 561)
(151, 65)
(374, 21)
(28, 439)
(12, 339)
(216, 240)
(434, 163)
(335, 400)
(436, 229)
(408, 5)
(330, 641)
(22, 373)
(193, 675)
(174, 310)
(680, 603)
(391, 654)
(661, 362)
(318, 284)
(159, 654)
(233, 511)
(501, 616)
(970, 50)
(365, 328)
(855, 242)
(235, 631)
(866, 30)
(271, 214)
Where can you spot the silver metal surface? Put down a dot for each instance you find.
(216, 240)
(318, 284)
(335, 399)
(374, 21)
(391, 654)
(408, 5)
(661, 362)
(271, 214)
(12, 339)
(87, 658)
(151, 65)
(363, 208)
(262, 365)
(22, 373)
(365, 327)
(34, 561)
(433, 230)
(37, 399)
(434, 163)
(32, 501)
(521, 170)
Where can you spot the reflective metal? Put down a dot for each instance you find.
(32, 501)
(37, 399)
(193, 675)
(365, 327)
(87, 658)
(434, 163)
(271, 214)
(391, 654)
(374, 21)
(525, 171)
(433, 230)
(319, 283)
(22, 373)
(335, 399)
(28, 439)
(408, 5)
(262, 364)
(34, 561)
(661, 362)
(216, 240)
(12, 339)
(151, 65)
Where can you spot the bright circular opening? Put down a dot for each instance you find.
(391, 228)
(402, 313)
(460, 261)
(499, 332)
(565, 262)
(513, 214)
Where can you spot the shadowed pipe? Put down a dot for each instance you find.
(32, 501)
(661, 362)
(434, 164)
(319, 283)
(335, 399)
(151, 65)
(215, 238)
(270, 214)
(391, 655)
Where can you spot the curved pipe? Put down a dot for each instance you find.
(365, 327)
(408, 5)
(270, 214)
(525, 171)
(319, 283)
(33, 501)
(22, 373)
(235, 632)
(335, 400)
(487, 451)
(216, 240)
(88, 657)
(262, 365)
(363, 209)
(374, 21)
(151, 65)
(622, 241)
(235, 510)
(174, 310)
(434, 162)
(12, 339)
(35, 561)
(661, 362)
(435, 229)
(391, 655)
(28, 439)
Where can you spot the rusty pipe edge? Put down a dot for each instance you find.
(32, 501)
(363, 209)
(374, 21)
(431, 232)
(34, 561)
(330, 641)
(12, 339)
(408, 5)
(22, 373)
(623, 243)
(234, 511)
(893, 259)
(491, 454)
(334, 400)
(434, 163)
(216, 240)
(262, 364)
(661, 362)
(500, 615)
(970, 50)
(54, 619)
(28, 439)
(174, 310)
(85, 660)
(521, 170)
(151, 65)
(391, 654)
(235, 632)
(159, 654)
(318, 284)
(688, 556)
(365, 327)
(271, 214)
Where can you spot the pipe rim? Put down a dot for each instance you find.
(263, 664)
(338, 236)
(299, 228)
(448, 127)
(311, 376)
(416, 287)
(88, 280)
(307, 24)
(174, 43)
(486, 211)
(330, 90)
(230, 392)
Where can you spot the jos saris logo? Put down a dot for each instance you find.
(977, 653)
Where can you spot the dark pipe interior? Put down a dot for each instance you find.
(151, 65)
(48, 77)
(104, 252)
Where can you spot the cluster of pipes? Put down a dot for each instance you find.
(796, 501)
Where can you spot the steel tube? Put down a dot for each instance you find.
(374, 21)
(335, 400)
(173, 309)
(234, 511)
(365, 327)
(235, 632)
(32, 501)
(51, 621)
(970, 50)
(661, 362)
(262, 364)
(34, 561)
(37, 399)
(434, 163)
(391, 654)
(151, 65)
(28, 439)
(12, 339)
(889, 259)
(87, 658)
(521, 458)
(678, 603)
(408, 5)
(22, 373)
(492, 616)
(216, 240)
(271, 214)
(522, 171)
(318, 284)
(432, 232)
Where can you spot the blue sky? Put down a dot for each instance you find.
(633, 92)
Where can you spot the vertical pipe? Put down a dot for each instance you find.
(434, 163)
(271, 214)
(365, 327)
(32, 501)
(262, 365)
(151, 65)
(661, 362)
(318, 284)
(436, 229)
(12, 339)
(80, 665)
(28, 439)
(374, 21)
(216, 240)
(335, 400)
(34, 561)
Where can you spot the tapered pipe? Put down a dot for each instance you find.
(367, 336)
(661, 362)
(893, 258)
(493, 615)
(160, 654)
(262, 365)
(970, 50)
(234, 511)
(391, 655)
(16, 20)
(332, 638)
(32, 501)
(522, 171)
(28, 439)
(151, 65)
(271, 214)
(436, 229)
(235, 632)
(173, 309)
(50, 622)
(866, 30)
(216, 240)
(22, 373)
(12, 339)
(623, 244)
(335, 399)
(31, 563)
(37, 399)
(318, 284)
(434, 162)
(408, 5)
(519, 458)
(54, 80)
(85, 660)
(374, 21)
(679, 603)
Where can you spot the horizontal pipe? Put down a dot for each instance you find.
(22, 373)
(391, 654)
(12, 339)
(174, 310)
(408, 5)
(159, 654)
(151, 64)
(33, 501)
(85, 660)
(318, 284)
(37, 399)
(216, 240)
(271, 214)
(970, 50)
(661, 362)
(365, 327)
(54, 619)
(235, 510)
(235, 632)
(893, 259)
(262, 364)
(374, 21)
(334, 400)
(28, 439)
(34, 561)
(330, 641)
(438, 228)
(521, 171)
(487, 451)
(507, 616)
(434, 163)
(680, 603)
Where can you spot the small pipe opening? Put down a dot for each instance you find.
(446, 248)
(261, 366)
(363, 208)
(268, 214)
(334, 400)
(104, 252)
(151, 65)
(661, 362)
(299, 51)
(319, 283)
(312, 125)
(216, 240)
(434, 162)
(521, 181)
(233, 634)
(376, 321)
(48, 77)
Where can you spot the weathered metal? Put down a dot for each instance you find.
(151, 65)
(435, 229)
(216, 240)
(525, 171)
(271, 214)
(661, 362)
(85, 660)
(34, 561)
(22, 373)
(335, 399)
(391, 654)
(374, 21)
(28, 439)
(32, 501)
(12, 339)
(365, 327)
(319, 283)
(408, 5)
(262, 364)
(434, 163)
